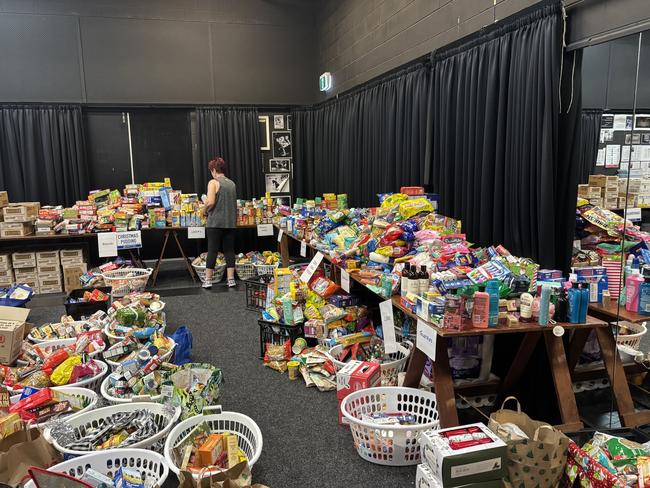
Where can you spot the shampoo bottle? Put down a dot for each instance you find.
(493, 290)
(481, 310)
(632, 285)
(404, 282)
(423, 279)
(644, 297)
(574, 303)
(544, 305)
(526, 307)
(562, 307)
(584, 302)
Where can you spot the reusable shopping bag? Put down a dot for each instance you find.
(183, 350)
(238, 476)
(194, 386)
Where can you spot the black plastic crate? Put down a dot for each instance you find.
(256, 289)
(274, 333)
(85, 309)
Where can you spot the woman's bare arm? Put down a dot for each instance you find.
(213, 189)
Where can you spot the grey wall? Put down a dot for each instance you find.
(361, 39)
(158, 51)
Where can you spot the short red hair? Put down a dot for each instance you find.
(218, 165)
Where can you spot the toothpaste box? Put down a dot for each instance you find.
(424, 478)
(596, 276)
(355, 375)
(464, 455)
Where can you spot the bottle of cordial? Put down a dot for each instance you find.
(424, 280)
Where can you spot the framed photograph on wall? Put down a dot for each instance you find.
(280, 165)
(282, 147)
(288, 122)
(282, 200)
(277, 183)
(265, 132)
(278, 121)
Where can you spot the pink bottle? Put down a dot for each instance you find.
(632, 285)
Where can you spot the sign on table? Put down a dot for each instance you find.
(313, 265)
(129, 240)
(264, 230)
(388, 326)
(426, 339)
(196, 232)
(107, 244)
(303, 249)
(280, 234)
(345, 281)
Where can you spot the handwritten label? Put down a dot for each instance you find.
(264, 230)
(107, 244)
(303, 249)
(196, 232)
(280, 234)
(345, 280)
(129, 240)
(313, 265)
(633, 214)
(388, 326)
(426, 339)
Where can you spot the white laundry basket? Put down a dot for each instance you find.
(117, 400)
(163, 359)
(632, 340)
(266, 269)
(126, 280)
(217, 275)
(391, 445)
(149, 463)
(38, 341)
(245, 271)
(113, 338)
(90, 397)
(164, 415)
(92, 383)
(389, 369)
(249, 434)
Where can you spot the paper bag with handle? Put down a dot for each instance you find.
(537, 452)
(22, 450)
(238, 476)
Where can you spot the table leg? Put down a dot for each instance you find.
(444, 386)
(566, 399)
(156, 268)
(618, 380)
(136, 259)
(576, 346)
(283, 248)
(415, 368)
(190, 270)
(518, 366)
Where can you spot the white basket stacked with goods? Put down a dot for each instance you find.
(219, 268)
(55, 344)
(163, 358)
(88, 397)
(150, 464)
(113, 338)
(388, 444)
(92, 382)
(390, 369)
(126, 280)
(266, 269)
(630, 334)
(248, 433)
(163, 416)
(72, 324)
(113, 400)
(245, 271)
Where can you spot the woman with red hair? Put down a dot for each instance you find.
(221, 209)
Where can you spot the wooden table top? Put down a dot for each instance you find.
(615, 312)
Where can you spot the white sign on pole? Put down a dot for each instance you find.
(264, 230)
(303, 249)
(129, 240)
(313, 265)
(633, 214)
(426, 339)
(107, 244)
(388, 326)
(280, 234)
(345, 281)
(196, 232)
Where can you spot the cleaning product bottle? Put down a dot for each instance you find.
(526, 307)
(574, 303)
(562, 307)
(632, 285)
(481, 310)
(493, 290)
(627, 271)
(584, 302)
(644, 297)
(544, 305)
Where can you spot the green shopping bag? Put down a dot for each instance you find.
(192, 387)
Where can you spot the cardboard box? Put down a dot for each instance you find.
(23, 275)
(594, 192)
(12, 332)
(355, 375)
(424, 478)
(49, 270)
(583, 191)
(457, 466)
(598, 202)
(71, 256)
(597, 180)
(16, 229)
(49, 289)
(23, 260)
(47, 257)
(21, 212)
(71, 276)
(4, 199)
(50, 283)
(5, 262)
(6, 277)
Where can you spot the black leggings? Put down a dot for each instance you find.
(220, 240)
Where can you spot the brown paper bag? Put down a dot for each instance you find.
(22, 450)
(538, 461)
(238, 476)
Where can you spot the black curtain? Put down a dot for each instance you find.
(495, 114)
(369, 141)
(590, 121)
(42, 153)
(232, 133)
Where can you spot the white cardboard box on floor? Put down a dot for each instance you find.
(12, 331)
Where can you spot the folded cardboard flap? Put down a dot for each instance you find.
(12, 331)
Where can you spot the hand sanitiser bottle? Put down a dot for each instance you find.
(544, 304)
(632, 285)
(493, 290)
(644, 297)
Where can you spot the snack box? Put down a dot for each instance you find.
(21, 212)
(6, 277)
(424, 478)
(462, 455)
(597, 180)
(47, 258)
(23, 260)
(15, 229)
(5, 262)
(12, 332)
(210, 450)
(282, 280)
(4, 199)
(72, 274)
(71, 256)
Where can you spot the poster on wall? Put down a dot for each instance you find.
(600, 158)
(277, 183)
(265, 136)
(642, 121)
(282, 147)
(280, 165)
(619, 121)
(607, 121)
(278, 121)
(606, 135)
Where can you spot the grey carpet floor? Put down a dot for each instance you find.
(304, 447)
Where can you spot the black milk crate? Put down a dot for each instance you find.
(256, 290)
(85, 309)
(275, 333)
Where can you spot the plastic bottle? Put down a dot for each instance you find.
(562, 307)
(493, 290)
(644, 297)
(627, 271)
(424, 280)
(414, 281)
(574, 303)
(526, 307)
(632, 285)
(584, 302)
(404, 282)
(481, 310)
(544, 305)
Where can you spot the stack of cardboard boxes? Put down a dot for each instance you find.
(44, 271)
(612, 192)
(17, 218)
